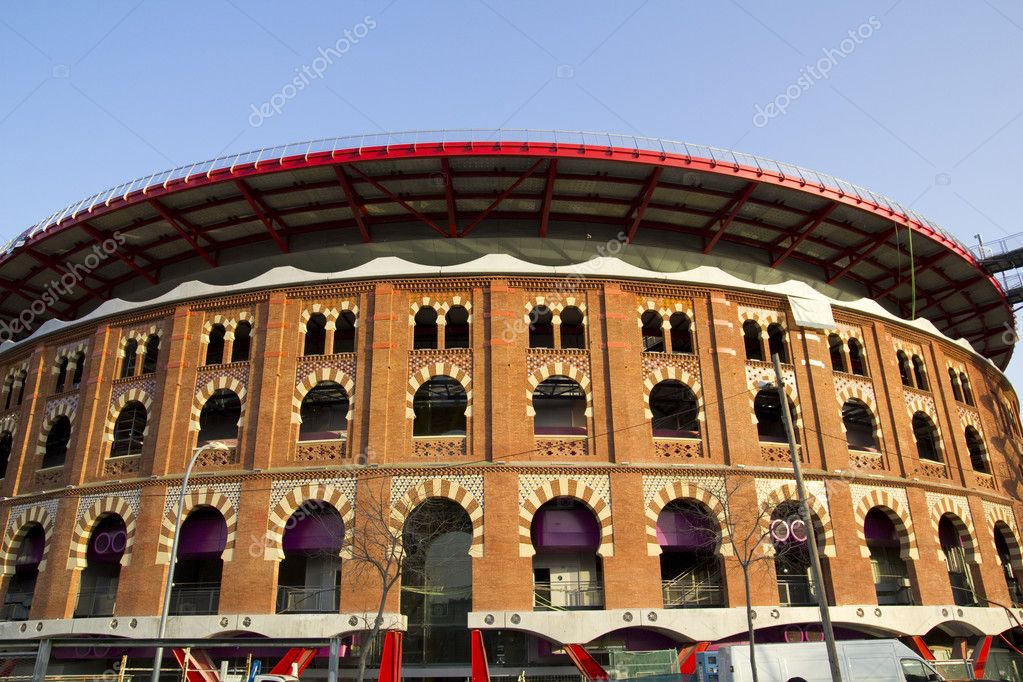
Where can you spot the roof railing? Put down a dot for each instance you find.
(473, 136)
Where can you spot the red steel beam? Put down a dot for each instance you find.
(449, 197)
(354, 202)
(643, 201)
(128, 260)
(398, 200)
(55, 266)
(173, 221)
(728, 217)
(264, 215)
(501, 197)
(548, 195)
(807, 229)
(874, 245)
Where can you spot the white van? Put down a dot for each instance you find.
(876, 660)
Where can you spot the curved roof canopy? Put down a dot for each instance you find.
(454, 185)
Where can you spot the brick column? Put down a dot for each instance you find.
(849, 574)
(727, 398)
(820, 413)
(175, 390)
(249, 583)
(622, 589)
(56, 592)
(87, 448)
(992, 581)
(387, 375)
(507, 339)
(932, 584)
(811, 436)
(140, 589)
(629, 429)
(745, 510)
(953, 433)
(896, 425)
(269, 441)
(501, 579)
(479, 335)
(23, 461)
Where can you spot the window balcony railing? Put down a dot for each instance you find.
(691, 596)
(795, 591)
(308, 599)
(96, 603)
(196, 599)
(569, 595)
(16, 606)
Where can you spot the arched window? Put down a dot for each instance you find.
(889, 569)
(436, 580)
(681, 333)
(344, 334)
(691, 575)
(573, 334)
(456, 327)
(837, 351)
(950, 536)
(857, 362)
(967, 389)
(560, 407)
(98, 587)
(439, 406)
(770, 424)
(926, 435)
(1004, 539)
(859, 426)
(79, 373)
(129, 430)
(6, 446)
(790, 538)
(242, 341)
(920, 373)
(424, 333)
(309, 576)
(57, 440)
(541, 327)
(953, 379)
(196, 589)
(652, 330)
(315, 335)
(324, 413)
(905, 372)
(218, 421)
(215, 346)
(152, 354)
(776, 342)
(21, 381)
(131, 350)
(751, 338)
(978, 453)
(675, 410)
(22, 586)
(567, 571)
(8, 392)
(61, 383)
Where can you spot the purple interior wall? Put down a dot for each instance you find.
(320, 532)
(30, 553)
(684, 530)
(573, 528)
(108, 541)
(948, 536)
(879, 529)
(203, 534)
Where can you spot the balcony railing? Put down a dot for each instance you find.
(96, 603)
(570, 595)
(16, 606)
(308, 599)
(690, 596)
(196, 599)
(795, 591)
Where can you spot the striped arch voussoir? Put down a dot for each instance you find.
(663, 308)
(60, 410)
(442, 307)
(204, 394)
(87, 522)
(296, 500)
(131, 395)
(9, 424)
(899, 516)
(788, 493)
(439, 487)
(201, 497)
(439, 369)
(140, 335)
(16, 533)
(669, 373)
(558, 369)
(229, 324)
(679, 490)
(997, 515)
(311, 380)
(962, 520)
(566, 487)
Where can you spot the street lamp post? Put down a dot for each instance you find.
(804, 513)
(158, 657)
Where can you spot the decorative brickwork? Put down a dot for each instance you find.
(297, 499)
(121, 467)
(428, 372)
(48, 478)
(671, 373)
(679, 448)
(457, 357)
(321, 452)
(90, 515)
(785, 491)
(141, 334)
(558, 369)
(539, 358)
(568, 447)
(995, 514)
(893, 503)
(21, 520)
(229, 320)
(309, 382)
(408, 493)
(331, 311)
(134, 394)
(684, 490)
(680, 363)
(221, 381)
(440, 449)
(64, 406)
(564, 486)
(205, 496)
(863, 461)
(957, 510)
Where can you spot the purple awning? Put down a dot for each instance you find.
(879, 529)
(685, 529)
(203, 535)
(318, 532)
(574, 528)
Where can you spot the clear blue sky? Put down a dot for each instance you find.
(927, 109)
